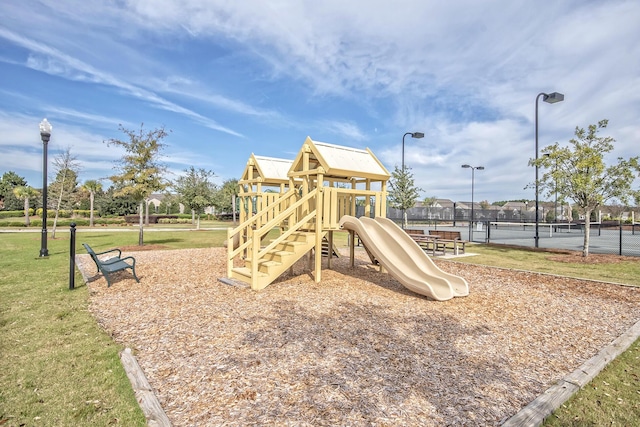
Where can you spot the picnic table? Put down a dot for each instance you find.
(438, 241)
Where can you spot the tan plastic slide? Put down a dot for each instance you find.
(404, 259)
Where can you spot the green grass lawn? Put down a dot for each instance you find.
(627, 272)
(59, 368)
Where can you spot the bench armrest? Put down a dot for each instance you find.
(109, 261)
(109, 251)
(128, 257)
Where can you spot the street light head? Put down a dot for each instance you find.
(554, 97)
(417, 135)
(480, 168)
(466, 166)
(45, 127)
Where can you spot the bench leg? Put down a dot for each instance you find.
(133, 270)
(106, 276)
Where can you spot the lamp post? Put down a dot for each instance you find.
(417, 135)
(555, 203)
(473, 170)
(550, 98)
(45, 134)
(555, 187)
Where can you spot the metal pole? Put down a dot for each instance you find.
(408, 133)
(403, 209)
(555, 203)
(44, 252)
(72, 255)
(454, 214)
(473, 170)
(620, 226)
(551, 98)
(537, 237)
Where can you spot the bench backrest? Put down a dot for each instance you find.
(444, 234)
(89, 250)
(94, 256)
(412, 231)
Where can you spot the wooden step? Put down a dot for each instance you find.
(264, 266)
(245, 272)
(276, 261)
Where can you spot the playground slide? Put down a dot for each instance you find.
(404, 259)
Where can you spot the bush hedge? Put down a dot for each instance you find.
(174, 220)
(153, 219)
(65, 222)
(12, 214)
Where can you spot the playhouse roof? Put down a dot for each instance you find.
(267, 170)
(341, 162)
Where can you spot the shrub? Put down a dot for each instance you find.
(50, 213)
(13, 223)
(153, 219)
(174, 221)
(110, 221)
(12, 214)
(82, 213)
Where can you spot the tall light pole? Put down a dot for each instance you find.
(45, 134)
(555, 185)
(413, 135)
(550, 98)
(473, 170)
(417, 135)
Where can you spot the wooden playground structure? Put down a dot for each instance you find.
(304, 199)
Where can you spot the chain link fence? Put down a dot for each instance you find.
(517, 227)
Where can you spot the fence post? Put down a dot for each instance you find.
(454, 214)
(72, 255)
(620, 227)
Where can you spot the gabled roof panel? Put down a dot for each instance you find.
(343, 161)
(273, 169)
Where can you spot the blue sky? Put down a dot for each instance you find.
(234, 78)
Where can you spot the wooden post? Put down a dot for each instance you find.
(318, 226)
(352, 236)
(330, 251)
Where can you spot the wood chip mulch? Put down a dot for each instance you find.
(356, 349)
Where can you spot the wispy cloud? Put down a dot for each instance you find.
(363, 72)
(347, 131)
(51, 61)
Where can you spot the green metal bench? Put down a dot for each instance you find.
(113, 264)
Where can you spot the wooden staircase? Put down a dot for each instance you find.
(275, 261)
(326, 251)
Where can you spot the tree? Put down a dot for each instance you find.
(8, 182)
(140, 172)
(579, 173)
(403, 193)
(430, 202)
(26, 194)
(224, 197)
(92, 187)
(615, 210)
(195, 190)
(108, 204)
(170, 203)
(66, 167)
